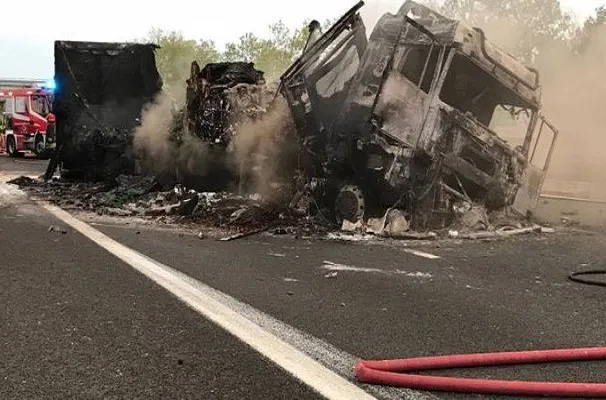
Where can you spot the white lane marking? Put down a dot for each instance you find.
(323, 380)
(335, 267)
(422, 254)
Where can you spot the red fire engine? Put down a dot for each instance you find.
(27, 121)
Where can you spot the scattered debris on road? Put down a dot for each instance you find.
(331, 275)
(144, 197)
(501, 232)
(335, 268)
(57, 229)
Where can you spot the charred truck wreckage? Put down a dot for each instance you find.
(424, 119)
(403, 119)
(102, 90)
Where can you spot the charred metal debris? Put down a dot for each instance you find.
(423, 125)
(144, 198)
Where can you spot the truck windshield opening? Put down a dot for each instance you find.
(40, 105)
(472, 90)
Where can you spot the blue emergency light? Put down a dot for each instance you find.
(50, 85)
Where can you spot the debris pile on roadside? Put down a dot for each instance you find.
(144, 197)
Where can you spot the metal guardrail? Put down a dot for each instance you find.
(575, 189)
(567, 198)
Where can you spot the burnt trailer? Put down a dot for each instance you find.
(101, 91)
(415, 117)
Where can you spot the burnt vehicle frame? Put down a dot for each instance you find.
(380, 124)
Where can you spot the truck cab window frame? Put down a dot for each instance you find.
(40, 105)
(470, 89)
(21, 104)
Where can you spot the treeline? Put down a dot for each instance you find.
(526, 28)
(272, 54)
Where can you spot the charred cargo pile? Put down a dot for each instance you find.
(101, 90)
(210, 99)
(228, 112)
(413, 120)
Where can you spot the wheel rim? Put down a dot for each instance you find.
(350, 204)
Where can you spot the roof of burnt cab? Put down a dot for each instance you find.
(472, 42)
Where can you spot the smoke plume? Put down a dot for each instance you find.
(159, 151)
(151, 140)
(573, 88)
(260, 149)
(573, 95)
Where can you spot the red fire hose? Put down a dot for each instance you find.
(390, 372)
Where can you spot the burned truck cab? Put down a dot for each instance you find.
(434, 115)
(317, 85)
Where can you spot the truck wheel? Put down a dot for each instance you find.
(11, 147)
(350, 204)
(39, 147)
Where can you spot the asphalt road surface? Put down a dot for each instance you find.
(115, 311)
(26, 165)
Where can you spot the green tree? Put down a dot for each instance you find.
(176, 53)
(593, 26)
(523, 27)
(274, 54)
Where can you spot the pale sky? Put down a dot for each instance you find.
(26, 43)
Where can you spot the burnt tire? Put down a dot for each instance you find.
(39, 148)
(11, 147)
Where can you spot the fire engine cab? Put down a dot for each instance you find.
(26, 120)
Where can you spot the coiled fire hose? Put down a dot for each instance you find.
(577, 277)
(404, 373)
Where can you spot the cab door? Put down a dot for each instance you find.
(316, 85)
(542, 147)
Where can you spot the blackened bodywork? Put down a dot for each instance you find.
(219, 97)
(101, 91)
(406, 118)
(209, 111)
